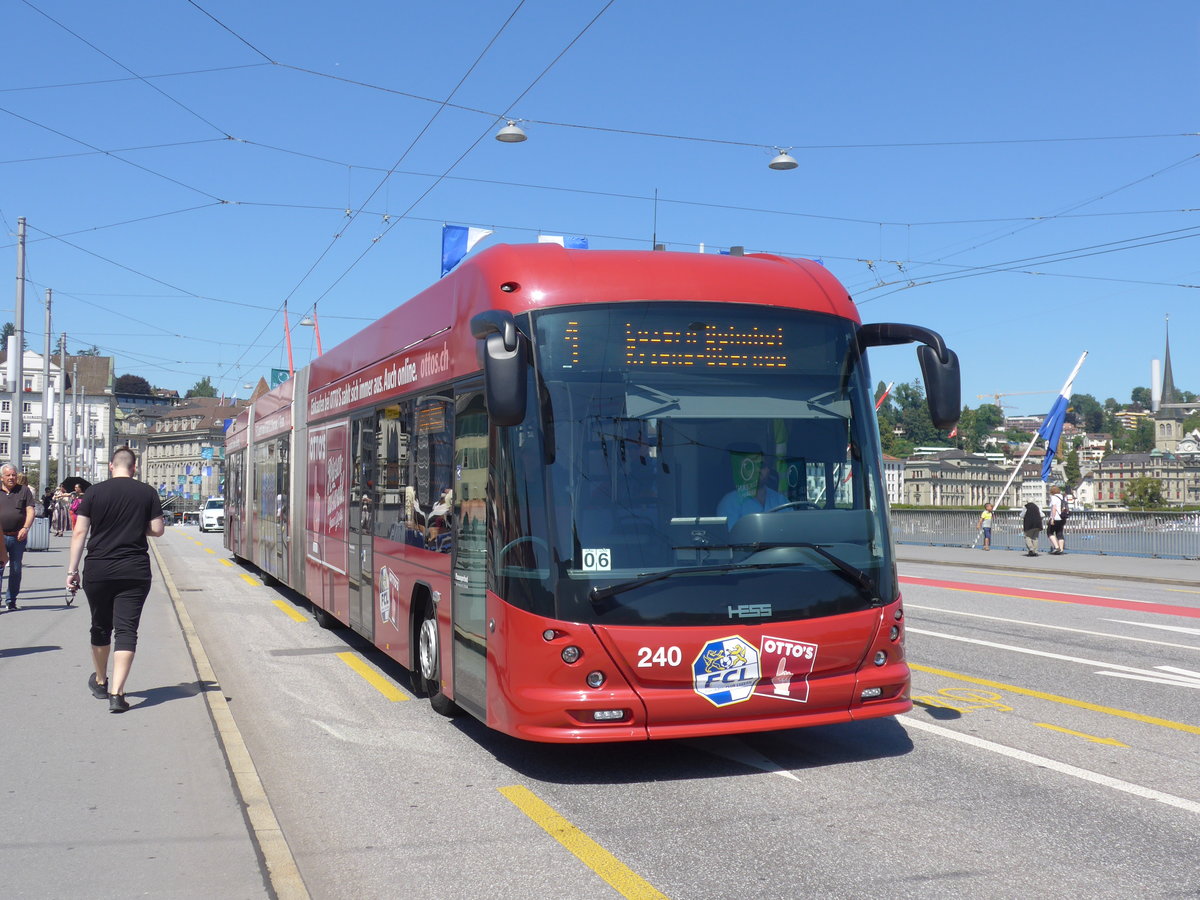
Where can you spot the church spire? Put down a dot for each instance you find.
(1169, 394)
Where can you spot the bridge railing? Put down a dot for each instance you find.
(1156, 534)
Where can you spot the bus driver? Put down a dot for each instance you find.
(750, 493)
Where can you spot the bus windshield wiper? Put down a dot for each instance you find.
(852, 574)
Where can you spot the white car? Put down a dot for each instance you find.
(212, 514)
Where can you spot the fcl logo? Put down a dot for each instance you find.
(726, 671)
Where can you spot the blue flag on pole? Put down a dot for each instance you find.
(1051, 430)
(457, 241)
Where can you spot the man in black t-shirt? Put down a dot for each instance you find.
(113, 521)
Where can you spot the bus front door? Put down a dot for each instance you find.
(360, 532)
(470, 550)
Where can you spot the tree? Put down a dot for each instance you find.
(1071, 467)
(1086, 412)
(1143, 493)
(92, 351)
(132, 384)
(1140, 397)
(202, 388)
(6, 332)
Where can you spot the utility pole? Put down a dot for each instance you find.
(62, 408)
(16, 359)
(44, 438)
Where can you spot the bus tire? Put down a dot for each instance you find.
(429, 664)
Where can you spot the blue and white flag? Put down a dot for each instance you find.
(457, 241)
(567, 241)
(1052, 426)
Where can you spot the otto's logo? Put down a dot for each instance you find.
(787, 665)
(726, 671)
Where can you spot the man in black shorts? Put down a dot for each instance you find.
(114, 520)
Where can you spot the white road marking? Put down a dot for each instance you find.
(736, 750)
(1063, 768)
(1180, 628)
(1121, 637)
(1176, 676)
(1046, 654)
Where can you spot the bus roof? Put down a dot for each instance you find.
(521, 277)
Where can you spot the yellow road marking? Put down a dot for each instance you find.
(373, 678)
(210, 550)
(624, 880)
(226, 562)
(291, 612)
(248, 579)
(1113, 742)
(1181, 590)
(1081, 704)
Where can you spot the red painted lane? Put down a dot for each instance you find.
(1056, 597)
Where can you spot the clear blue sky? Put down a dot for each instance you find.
(1020, 177)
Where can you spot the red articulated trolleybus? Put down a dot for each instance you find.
(599, 495)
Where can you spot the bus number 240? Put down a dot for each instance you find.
(659, 656)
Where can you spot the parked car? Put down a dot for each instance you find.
(212, 514)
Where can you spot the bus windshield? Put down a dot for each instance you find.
(694, 463)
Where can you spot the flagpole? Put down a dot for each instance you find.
(1066, 387)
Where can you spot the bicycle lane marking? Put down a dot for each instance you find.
(1055, 698)
(1055, 597)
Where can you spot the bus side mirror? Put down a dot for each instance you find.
(942, 391)
(939, 366)
(505, 355)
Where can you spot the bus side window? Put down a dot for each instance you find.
(393, 427)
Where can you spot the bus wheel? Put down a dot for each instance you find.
(429, 664)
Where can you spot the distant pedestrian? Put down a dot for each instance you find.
(47, 503)
(17, 510)
(1054, 521)
(73, 504)
(114, 519)
(1032, 525)
(985, 525)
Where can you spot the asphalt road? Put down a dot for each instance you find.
(1053, 751)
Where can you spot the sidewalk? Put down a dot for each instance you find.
(1080, 565)
(95, 804)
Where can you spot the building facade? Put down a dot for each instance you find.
(185, 451)
(952, 478)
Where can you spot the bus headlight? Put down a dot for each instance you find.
(571, 654)
(880, 657)
(595, 679)
(895, 635)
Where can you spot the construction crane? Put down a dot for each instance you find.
(996, 396)
(1003, 406)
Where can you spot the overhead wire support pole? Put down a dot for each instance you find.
(62, 407)
(44, 437)
(16, 373)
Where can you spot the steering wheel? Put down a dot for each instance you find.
(524, 539)
(796, 504)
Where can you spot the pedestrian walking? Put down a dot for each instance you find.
(113, 520)
(17, 510)
(985, 525)
(1032, 525)
(1054, 521)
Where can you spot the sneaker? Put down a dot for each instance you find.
(117, 703)
(12, 604)
(99, 691)
(1031, 553)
